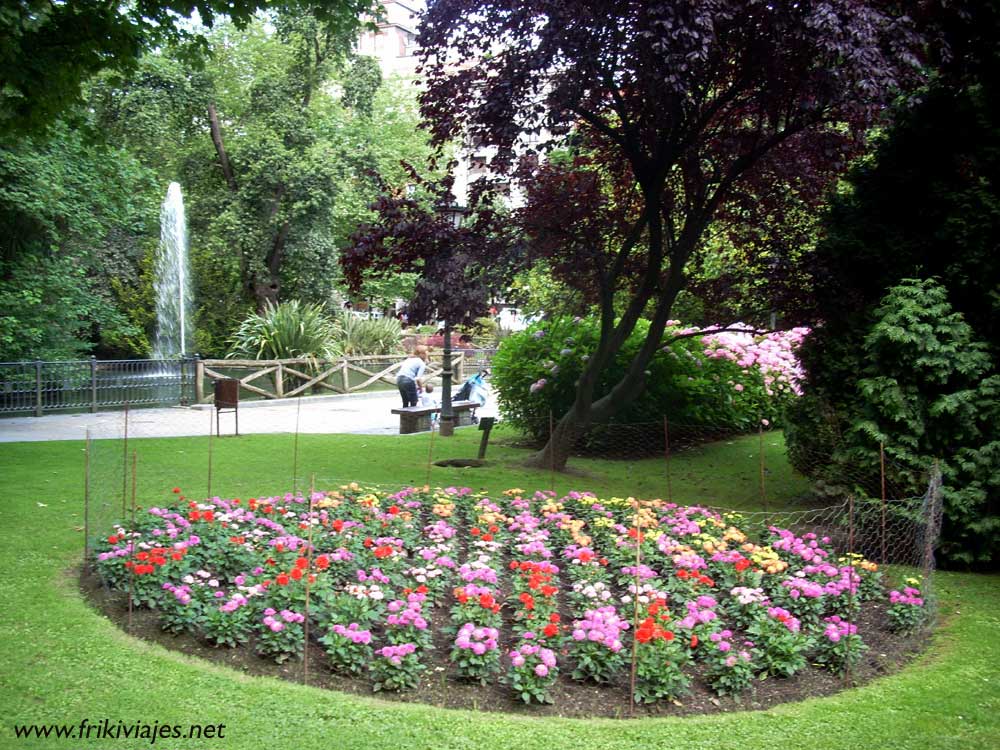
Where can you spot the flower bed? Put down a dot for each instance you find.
(526, 591)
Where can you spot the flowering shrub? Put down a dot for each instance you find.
(349, 648)
(476, 652)
(660, 660)
(281, 636)
(730, 668)
(596, 645)
(906, 610)
(839, 647)
(533, 670)
(396, 667)
(723, 378)
(782, 644)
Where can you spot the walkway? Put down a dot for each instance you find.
(363, 414)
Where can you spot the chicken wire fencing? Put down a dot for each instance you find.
(863, 512)
(866, 520)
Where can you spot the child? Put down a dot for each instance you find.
(426, 399)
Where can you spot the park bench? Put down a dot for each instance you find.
(419, 418)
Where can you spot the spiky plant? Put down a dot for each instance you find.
(288, 330)
(363, 336)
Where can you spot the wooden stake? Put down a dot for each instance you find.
(430, 455)
(552, 453)
(131, 554)
(125, 463)
(309, 573)
(209, 494)
(881, 458)
(635, 608)
(295, 446)
(86, 501)
(763, 494)
(666, 441)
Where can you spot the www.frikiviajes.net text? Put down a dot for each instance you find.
(107, 729)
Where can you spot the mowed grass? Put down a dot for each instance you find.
(62, 662)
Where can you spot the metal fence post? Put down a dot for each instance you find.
(93, 384)
(199, 385)
(39, 410)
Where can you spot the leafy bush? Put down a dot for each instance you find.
(288, 330)
(929, 391)
(370, 336)
(695, 381)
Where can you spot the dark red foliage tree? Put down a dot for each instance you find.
(705, 106)
(457, 266)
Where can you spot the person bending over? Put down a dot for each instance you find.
(411, 374)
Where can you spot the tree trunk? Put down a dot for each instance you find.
(220, 147)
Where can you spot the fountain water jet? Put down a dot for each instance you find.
(172, 280)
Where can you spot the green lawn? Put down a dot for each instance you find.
(62, 662)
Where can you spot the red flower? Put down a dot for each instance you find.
(384, 551)
(369, 542)
(742, 564)
(302, 563)
(550, 630)
(322, 562)
(549, 590)
(527, 600)
(282, 579)
(296, 574)
(177, 490)
(694, 641)
(421, 589)
(668, 635)
(393, 509)
(338, 525)
(177, 555)
(194, 516)
(486, 601)
(494, 529)
(112, 539)
(682, 574)
(487, 537)
(475, 531)
(645, 631)
(279, 547)
(554, 617)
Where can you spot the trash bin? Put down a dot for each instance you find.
(227, 396)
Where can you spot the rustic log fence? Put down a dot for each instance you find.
(274, 379)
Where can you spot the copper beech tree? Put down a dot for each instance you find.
(691, 112)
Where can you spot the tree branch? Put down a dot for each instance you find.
(220, 148)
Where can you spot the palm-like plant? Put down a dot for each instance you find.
(288, 330)
(363, 336)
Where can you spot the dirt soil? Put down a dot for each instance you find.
(442, 687)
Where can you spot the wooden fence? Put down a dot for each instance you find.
(288, 378)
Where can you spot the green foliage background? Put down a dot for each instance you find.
(682, 383)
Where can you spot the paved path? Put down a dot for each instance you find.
(366, 414)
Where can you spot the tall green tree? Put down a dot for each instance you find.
(48, 49)
(76, 221)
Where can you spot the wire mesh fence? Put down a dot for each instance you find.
(769, 504)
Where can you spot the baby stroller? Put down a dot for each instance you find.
(474, 389)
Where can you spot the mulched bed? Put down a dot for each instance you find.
(441, 686)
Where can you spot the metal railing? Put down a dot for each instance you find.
(88, 385)
(38, 388)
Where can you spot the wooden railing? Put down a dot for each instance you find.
(288, 378)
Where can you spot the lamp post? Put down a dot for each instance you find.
(451, 211)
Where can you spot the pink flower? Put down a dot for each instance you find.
(541, 670)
